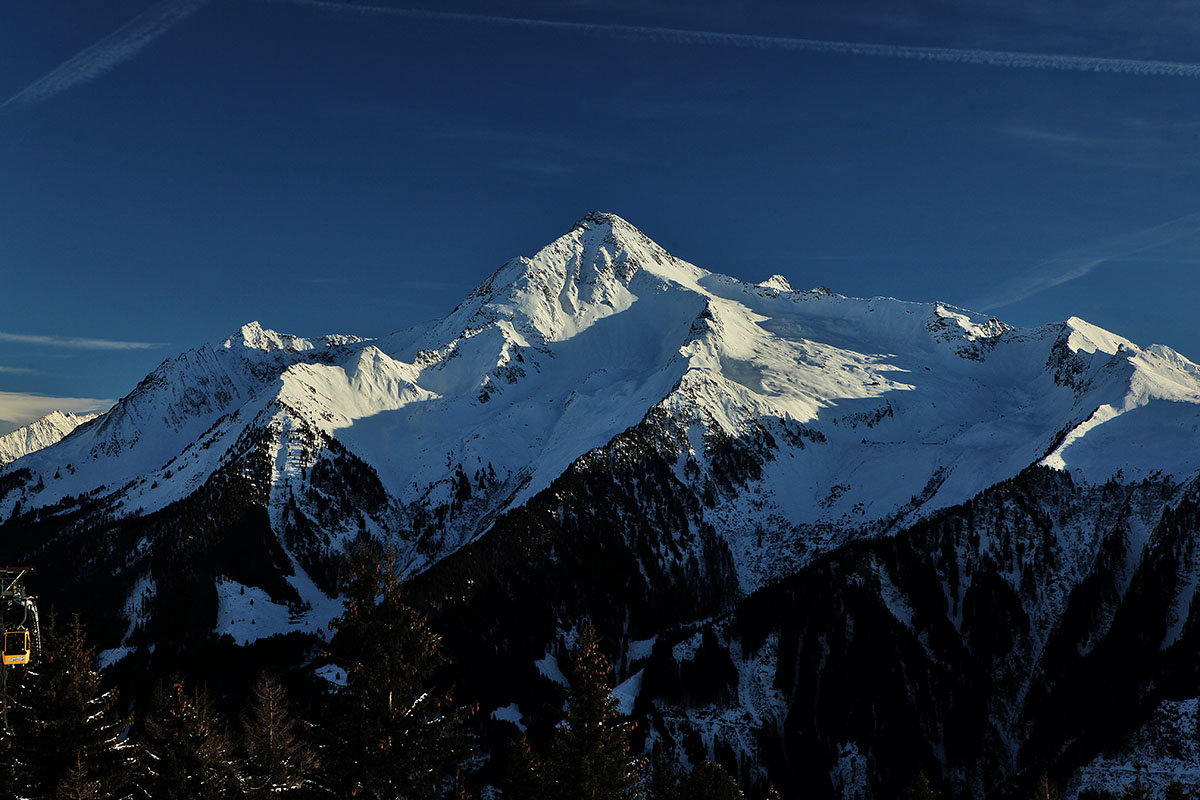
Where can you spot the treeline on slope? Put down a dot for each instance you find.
(95, 560)
(912, 647)
(617, 539)
(391, 730)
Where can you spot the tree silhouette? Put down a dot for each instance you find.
(590, 757)
(68, 729)
(276, 761)
(710, 781)
(187, 751)
(392, 732)
(1044, 789)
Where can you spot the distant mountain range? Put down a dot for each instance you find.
(39, 434)
(829, 539)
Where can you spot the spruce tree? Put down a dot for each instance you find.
(1044, 789)
(710, 781)
(1136, 790)
(393, 734)
(1176, 790)
(664, 780)
(591, 758)
(77, 784)
(66, 722)
(12, 771)
(276, 761)
(526, 776)
(920, 788)
(187, 750)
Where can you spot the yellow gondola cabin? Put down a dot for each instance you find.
(16, 648)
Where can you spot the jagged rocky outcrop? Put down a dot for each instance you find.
(828, 539)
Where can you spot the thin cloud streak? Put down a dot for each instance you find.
(953, 55)
(1076, 264)
(77, 342)
(118, 47)
(20, 408)
(16, 370)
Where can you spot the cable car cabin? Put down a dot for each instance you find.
(16, 648)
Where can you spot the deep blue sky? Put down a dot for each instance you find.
(172, 170)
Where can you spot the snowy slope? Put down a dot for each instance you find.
(860, 415)
(40, 433)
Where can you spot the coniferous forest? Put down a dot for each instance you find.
(390, 729)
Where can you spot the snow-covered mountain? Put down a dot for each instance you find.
(40, 433)
(627, 436)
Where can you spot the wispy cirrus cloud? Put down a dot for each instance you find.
(118, 47)
(77, 342)
(1056, 137)
(1076, 263)
(954, 55)
(16, 370)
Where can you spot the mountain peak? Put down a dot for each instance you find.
(39, 434)
(616, 230)
(1090, 338)
(594, 219)
(253, 336)
(777, 282)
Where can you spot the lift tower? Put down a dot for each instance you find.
(20, 628)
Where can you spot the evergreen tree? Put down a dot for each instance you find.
(187, 749)
(393, 734)
(1044, 789)
(590, 758)
(710, 781)
(526, 777)
(77, 784)
(920, 788)
(1176, 790)
(68, 731)
(12, 771)
(276, 761)
(664, 780)
(1136, 790)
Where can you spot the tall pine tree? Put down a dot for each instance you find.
(77, 784)
(68, 730)
(707, 781)
(392, 733)
(664, 777)
(1137, 790)
(591, 757)
(526, 778)
(1177, 790)
(1044, 789)
(187, 751)
(276, 761)
(921, 788)
(710, 781)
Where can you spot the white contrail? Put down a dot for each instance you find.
(119, 46)
(954, 55)
(1074, 264)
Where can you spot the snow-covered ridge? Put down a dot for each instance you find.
(39, 434)
(863, 413)
(254, 336)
